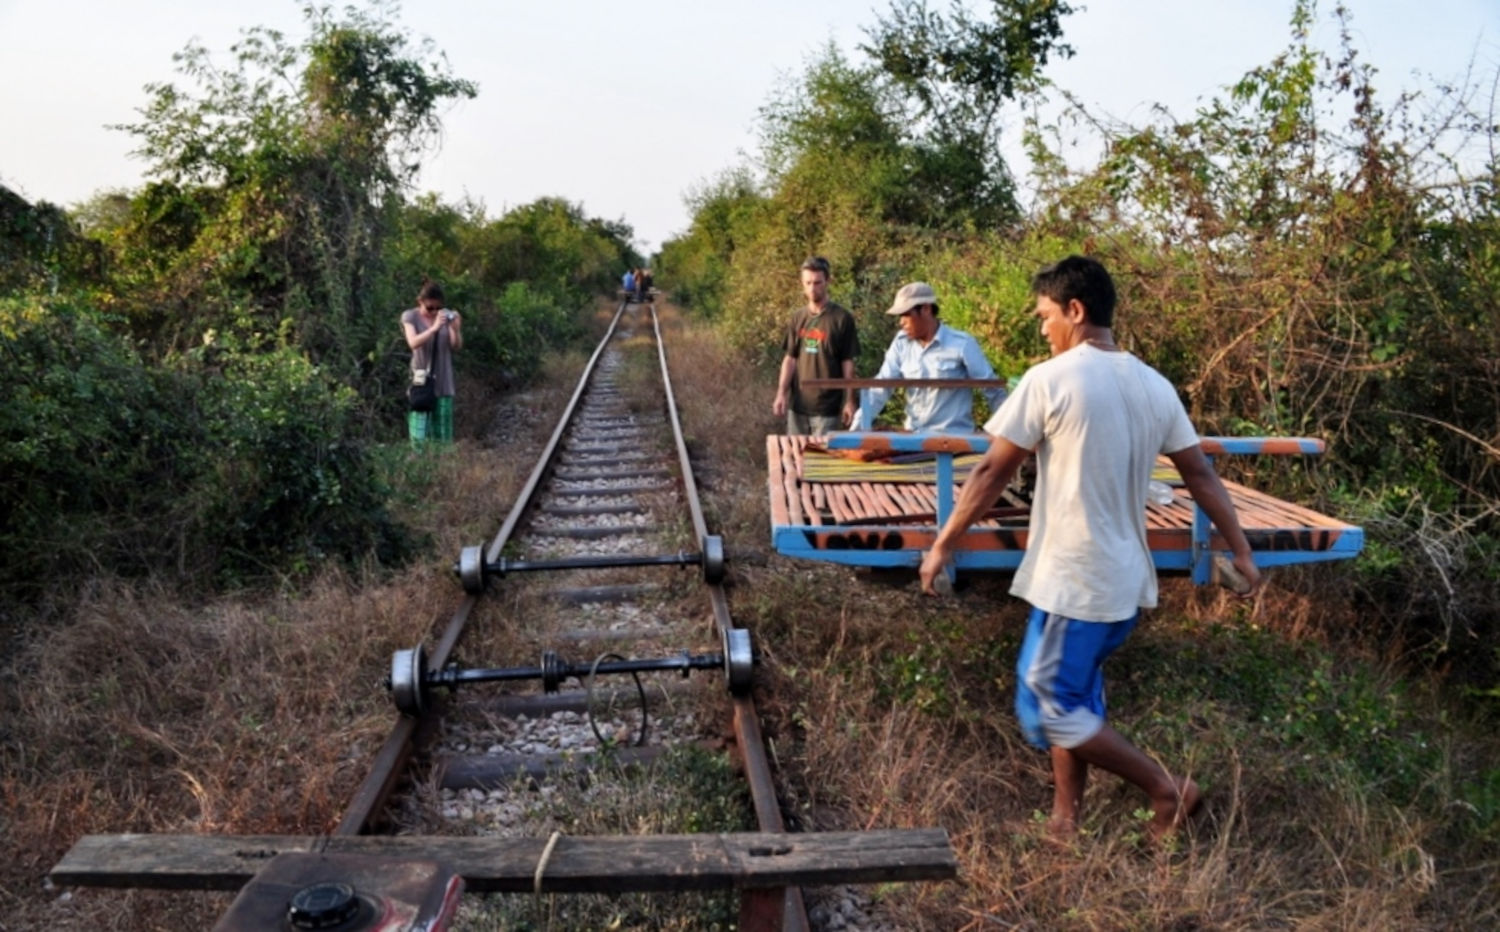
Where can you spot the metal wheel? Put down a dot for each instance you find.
(739, 661)
(471, 569)
(713, 559)
(407, 690)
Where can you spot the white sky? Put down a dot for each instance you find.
(625, 106)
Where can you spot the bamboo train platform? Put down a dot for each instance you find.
(828, 504)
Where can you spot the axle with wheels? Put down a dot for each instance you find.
(411, 682)
(473, 571)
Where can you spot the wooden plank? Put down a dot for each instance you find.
(810, 506)
(1254, 514)
(854, 505)
(1168, 517)
(836, 503)
(578, 864)
(1253, 517)
(992, 518)
(861, 506)
(906, 500)
(881, 499)
(779, 514)
(924, 495)
(1299, 513)
(864, 502)
(789, 483)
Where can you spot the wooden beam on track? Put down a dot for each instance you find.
(577, 864)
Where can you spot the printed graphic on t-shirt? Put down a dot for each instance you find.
(811, 336)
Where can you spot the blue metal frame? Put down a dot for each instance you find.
(883, 545)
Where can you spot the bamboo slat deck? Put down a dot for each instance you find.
(864, 520)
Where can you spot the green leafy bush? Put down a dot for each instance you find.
(287, 482)
(85, 440)
(511, 333)
(221, 466)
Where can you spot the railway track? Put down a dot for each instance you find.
(599, 606)
(614, 485)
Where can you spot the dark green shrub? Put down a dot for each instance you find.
(510, 335)
(286, 480)
(221, 463)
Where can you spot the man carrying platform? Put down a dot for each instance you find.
(927, 348)
(821, 343)
(1097, 418)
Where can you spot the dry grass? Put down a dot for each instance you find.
(130, 711)
(1335, 781)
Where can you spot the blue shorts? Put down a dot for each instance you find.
(1060, 677)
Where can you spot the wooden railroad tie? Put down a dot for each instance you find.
(576, 864)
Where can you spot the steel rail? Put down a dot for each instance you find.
(759, 909)
(544, 463)
(369, 799)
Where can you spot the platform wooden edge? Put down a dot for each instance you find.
(578, 864)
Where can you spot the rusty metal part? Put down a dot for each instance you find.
(739, 661)
(772, 908)
(344, 893)
(391, 759)
(407, 683)
(761, 909)
(411, 681)
(473, 572)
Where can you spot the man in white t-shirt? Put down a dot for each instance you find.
(1097, 418)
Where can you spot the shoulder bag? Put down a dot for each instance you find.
(423, 391)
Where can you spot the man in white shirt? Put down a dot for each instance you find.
(1097, 418)
(927, 348)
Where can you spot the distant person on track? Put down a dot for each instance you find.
(434, 333)
(646, 283)
(1097, 418)
(821, 343)
(627, 282)
(927, 348)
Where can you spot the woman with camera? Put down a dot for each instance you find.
(434, 333)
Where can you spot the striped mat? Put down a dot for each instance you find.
(921, 467)
(824, 467)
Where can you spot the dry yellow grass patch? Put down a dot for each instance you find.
(886, 708)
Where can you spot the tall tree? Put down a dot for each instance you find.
(296, 158)
(957, 70)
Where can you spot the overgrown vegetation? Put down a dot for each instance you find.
(1344, 789)
(205, 372)
(1303, 256)
(154, 709)
(202, 371)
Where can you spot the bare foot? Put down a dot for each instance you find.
(1062, 828)
(1173, 810)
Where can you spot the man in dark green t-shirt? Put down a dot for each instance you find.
(821, 343)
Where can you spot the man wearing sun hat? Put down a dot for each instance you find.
(927, 348)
